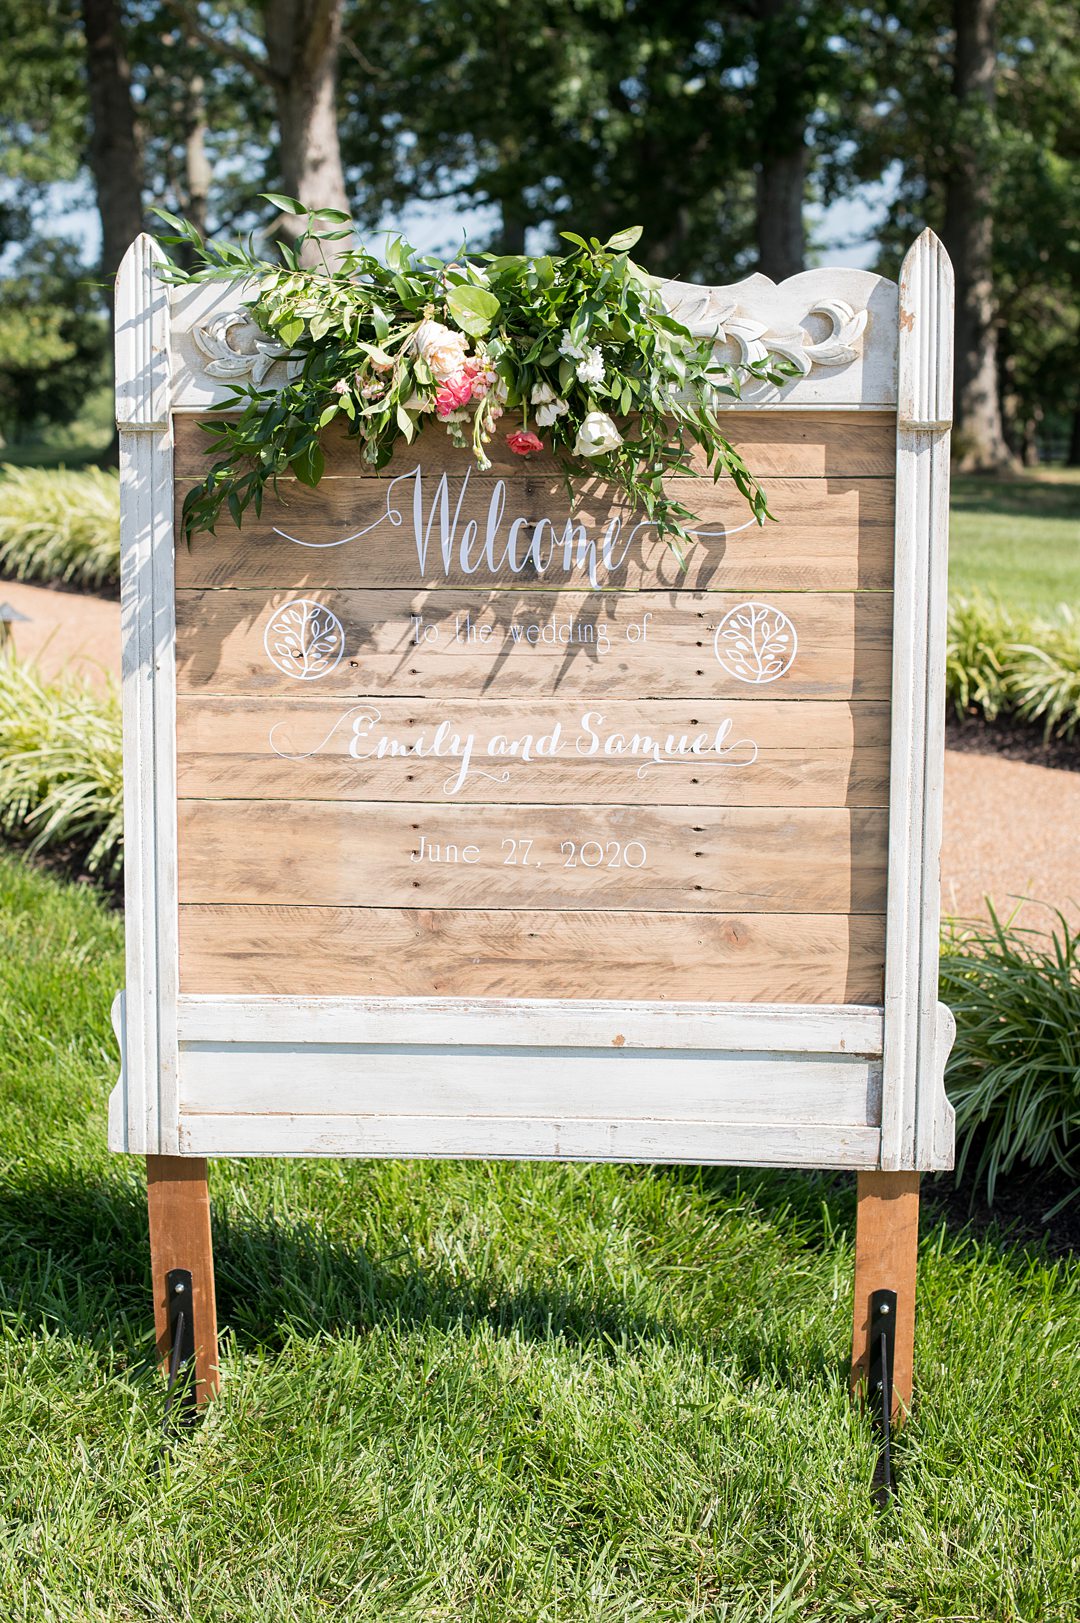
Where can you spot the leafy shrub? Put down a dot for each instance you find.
(58, 525)
(1014, 1073)
(61, 768)
(997, 664)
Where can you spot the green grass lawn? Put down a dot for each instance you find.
(491, 1392)
(1018, 540)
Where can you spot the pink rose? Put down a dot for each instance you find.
(522, 443)
(482, 378)
(454, 393)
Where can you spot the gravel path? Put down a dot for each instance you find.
(65, 631)
(1011, 828)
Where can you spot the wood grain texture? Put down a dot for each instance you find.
(543, 645)
(842, 1030)
(411, 1079)
(406, 952)
(178, 1201)
(830, 535)
(694, 1143)
(267, 749)
(836, 445)
(886, 1257)
(693, 859)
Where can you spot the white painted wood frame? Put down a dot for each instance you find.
(791, 1085)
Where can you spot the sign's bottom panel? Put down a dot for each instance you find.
(493, 1137)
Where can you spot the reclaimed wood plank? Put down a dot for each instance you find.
(506, 644)
(696, 859)
(736, 753)
(424, 952)
(794, 444)
(828, 535)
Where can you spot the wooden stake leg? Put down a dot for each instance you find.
(178, 1197)
(886, 1250)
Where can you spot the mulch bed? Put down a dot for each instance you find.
(1015, 740)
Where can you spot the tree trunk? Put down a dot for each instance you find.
(114, 153)
(781, 237)
(196, 163)
(514, 225)
(978, 434)
(779, 125)
(1073, 456)
(303, 38)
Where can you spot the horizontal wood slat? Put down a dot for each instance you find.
(326, 853)
(469, 1137)
(835, 444)
(686, 1024)
(828, 534)
(505, 644)
(300, 749)
(584, 1084)
(402, 952)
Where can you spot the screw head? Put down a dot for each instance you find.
(884, 1308)
(178, 1289)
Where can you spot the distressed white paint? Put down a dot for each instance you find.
(593, 1084)
(838, 327)
(915, 1038)
(764, 1085)
(541, 1139)
(148, 1119)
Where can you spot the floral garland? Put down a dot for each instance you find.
(581, 345)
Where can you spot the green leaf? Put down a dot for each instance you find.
(572, 236)
(406, 424)
(622, 240)
(287, 205)
(290, 331)
(308, 466)
(473, 308)
(329, 413)
(334, 216)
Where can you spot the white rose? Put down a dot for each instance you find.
(597, 435)
(549, 411)
(568, 346)
(441, 349)
(542, 394)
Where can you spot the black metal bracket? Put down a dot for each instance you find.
(180, 1398)
(879, 1391)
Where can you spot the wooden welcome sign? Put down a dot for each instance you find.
(463, 822)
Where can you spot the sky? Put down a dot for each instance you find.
(843, 234)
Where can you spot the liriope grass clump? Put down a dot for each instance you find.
(60, 525)
(1001, 665)
(61, 767)
(1014, 1072)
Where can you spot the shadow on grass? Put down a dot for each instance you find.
(74, 1259)
(1023, 498)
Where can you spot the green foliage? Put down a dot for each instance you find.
(1014, 1073)
(61, 767)
(570, 342)
(997, 664)
(53, 339)
(58, 525)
